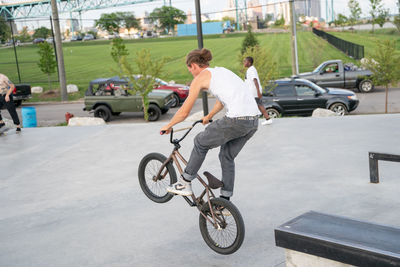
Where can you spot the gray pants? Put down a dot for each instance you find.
(229, 133)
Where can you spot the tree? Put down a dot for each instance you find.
(42, 32)
(47, 62)
(118, 50)
(376, 6)
(341, 20)
(383, 15)
(129, 20)
(144, 83)
(250, 40)
(280, 22)
(384, 66)
(167, 17)
(396, 20)
(355, 11)
(24, 35)
(5, 30)
(231, 20)
(264, 62)
(267, 19)
(109, 22)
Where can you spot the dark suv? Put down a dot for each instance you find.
(292, 97)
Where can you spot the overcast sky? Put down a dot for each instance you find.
(340, 6)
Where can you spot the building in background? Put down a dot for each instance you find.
(309, 8)
(254, 10)
(72, 25)
(279, 10)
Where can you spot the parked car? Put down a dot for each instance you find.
(50, 40)
(10, 43)
(292, 97)
(21, 93)
(333, 73)
(88, 37)
(112, 36)
(76, 38)
(109, 96)
(181, 91)
(38, 40)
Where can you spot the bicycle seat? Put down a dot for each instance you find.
(213, 181)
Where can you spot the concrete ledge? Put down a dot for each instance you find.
(340, 239)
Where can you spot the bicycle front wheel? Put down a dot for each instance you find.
(228, 236)
(156, 189)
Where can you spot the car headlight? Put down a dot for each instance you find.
(352, 97)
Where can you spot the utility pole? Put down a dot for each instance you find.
(295, 62)
(60, 55)
(245, 10)
(237, 15)
(200, 46)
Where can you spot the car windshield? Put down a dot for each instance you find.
(161, 81)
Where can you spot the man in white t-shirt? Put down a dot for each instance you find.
(253, 83)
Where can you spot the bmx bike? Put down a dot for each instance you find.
(221, 224)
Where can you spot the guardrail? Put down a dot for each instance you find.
(351, 49)
(373, 164)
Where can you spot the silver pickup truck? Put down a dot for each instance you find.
(334, 73)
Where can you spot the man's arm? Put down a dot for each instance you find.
(11, 87)
(258, 88)
(200, 82)
(217, 108)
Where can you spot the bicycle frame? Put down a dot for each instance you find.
(174, 158)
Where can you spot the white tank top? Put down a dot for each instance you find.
(228, 88)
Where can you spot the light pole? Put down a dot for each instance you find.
(60, 55)
(295, 61)
(200, 46)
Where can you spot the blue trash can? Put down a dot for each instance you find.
(28, 117)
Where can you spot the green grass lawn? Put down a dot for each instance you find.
(369, 40)
(85, 61)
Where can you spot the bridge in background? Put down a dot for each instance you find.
(36, 9)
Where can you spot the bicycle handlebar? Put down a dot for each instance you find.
(183, 137)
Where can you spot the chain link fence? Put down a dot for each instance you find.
(351, 49)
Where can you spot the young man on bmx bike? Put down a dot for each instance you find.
(230, 133)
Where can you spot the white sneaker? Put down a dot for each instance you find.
(267, 122)
(181, 187)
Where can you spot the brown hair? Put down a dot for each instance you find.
(201, 57)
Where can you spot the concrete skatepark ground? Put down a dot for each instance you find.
(70, 195)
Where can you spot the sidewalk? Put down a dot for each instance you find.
(70, 195)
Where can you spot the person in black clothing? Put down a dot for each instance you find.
(6, 99)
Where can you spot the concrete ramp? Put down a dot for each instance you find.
(70, 195)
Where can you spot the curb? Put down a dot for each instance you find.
(52, 103)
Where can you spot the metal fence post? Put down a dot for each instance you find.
(373, 169)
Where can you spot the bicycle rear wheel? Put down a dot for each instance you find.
(229, 236)
(156, 190)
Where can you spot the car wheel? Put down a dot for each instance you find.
(273, 113)
(177, 100)
(366, 86)
(154, 112)
(103, 112)
(339, 108)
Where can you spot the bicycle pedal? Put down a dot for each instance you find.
(213, 182)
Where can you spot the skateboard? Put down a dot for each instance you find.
(3, 130)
